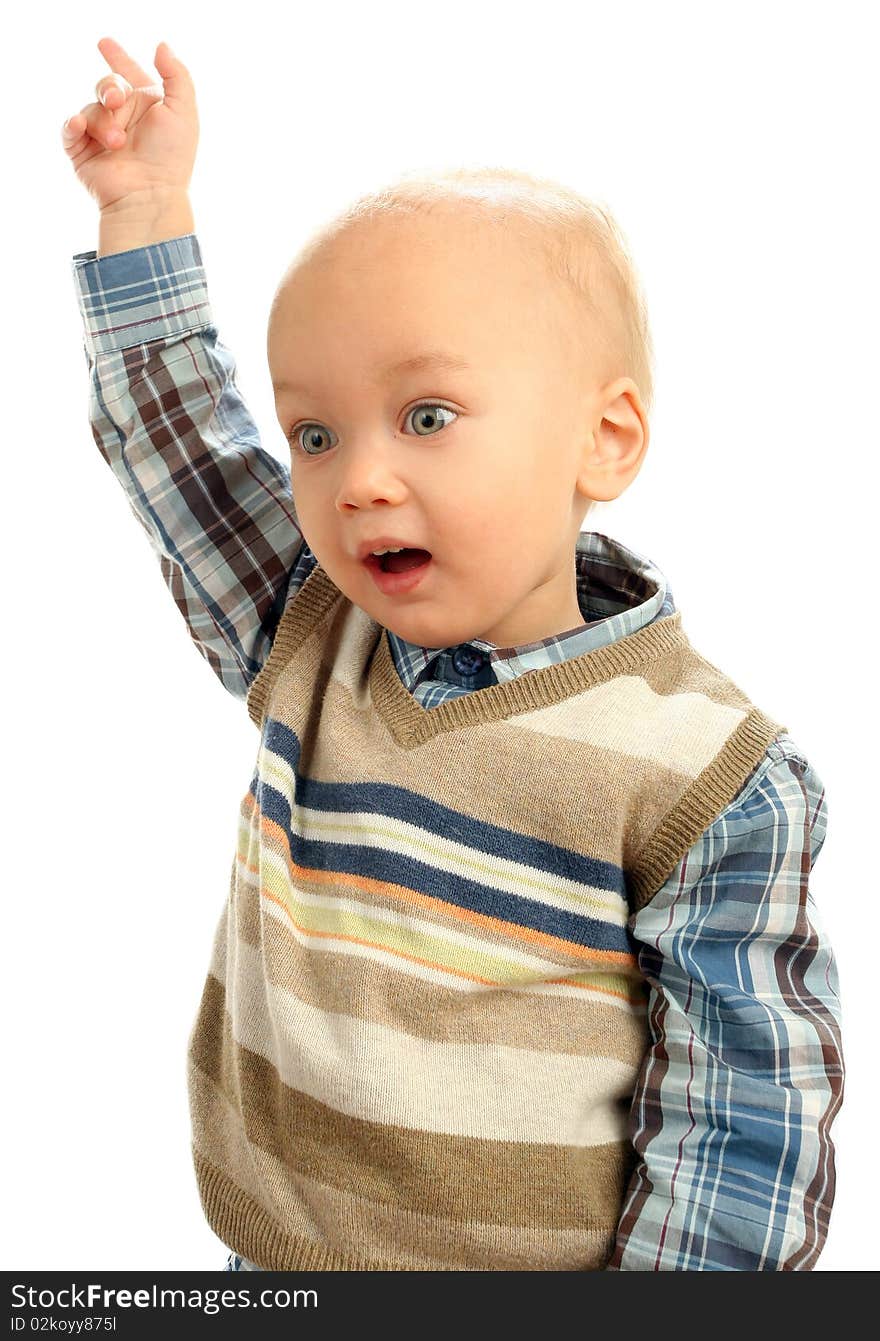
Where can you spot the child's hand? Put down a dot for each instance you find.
(139, 140)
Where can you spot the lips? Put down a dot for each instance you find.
(409, 569)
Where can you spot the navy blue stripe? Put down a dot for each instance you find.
(403, 803)
(388, 867)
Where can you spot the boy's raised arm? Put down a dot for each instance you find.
(163, 405)
(170, 422)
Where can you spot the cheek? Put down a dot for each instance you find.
(311, 516)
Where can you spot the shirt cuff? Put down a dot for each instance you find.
(148, 293)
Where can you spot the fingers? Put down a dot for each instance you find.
(121, 63)
(93, 121)
(73, 132)
(176, 80)
(112, 90)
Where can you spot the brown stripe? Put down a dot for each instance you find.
(505, 1182)
(247, 1229)
(333, 1219)
(502, 795)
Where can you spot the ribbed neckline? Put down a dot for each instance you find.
(410, 723)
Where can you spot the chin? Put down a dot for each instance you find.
(427, 635)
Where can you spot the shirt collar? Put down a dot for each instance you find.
(619, 591)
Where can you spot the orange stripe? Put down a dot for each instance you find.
(308, 933)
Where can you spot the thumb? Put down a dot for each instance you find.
(176, 80)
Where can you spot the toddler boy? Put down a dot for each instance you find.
(519, 967)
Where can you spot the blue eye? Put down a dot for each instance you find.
(313, 432)
(432, 418)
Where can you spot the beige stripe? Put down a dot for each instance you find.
(680, 732)
(488, 1091)
(501, 1182)
(336, 1218)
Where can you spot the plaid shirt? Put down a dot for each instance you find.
(734, 1101)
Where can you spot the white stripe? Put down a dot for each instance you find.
(682, 732)
(378, 1074)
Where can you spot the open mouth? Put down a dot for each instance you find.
(401, 562)
(399, 574)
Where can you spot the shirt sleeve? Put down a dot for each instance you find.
(732, 1111)
(173, 427)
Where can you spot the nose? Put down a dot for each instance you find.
(369, 474)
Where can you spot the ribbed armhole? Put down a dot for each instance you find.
(701, 804)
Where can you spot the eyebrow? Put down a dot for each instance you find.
(431, 358)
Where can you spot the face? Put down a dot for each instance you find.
(476, 463)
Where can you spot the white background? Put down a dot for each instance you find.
(736, 145)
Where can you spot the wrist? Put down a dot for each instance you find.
(143, 218)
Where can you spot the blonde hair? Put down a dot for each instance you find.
(579, 239)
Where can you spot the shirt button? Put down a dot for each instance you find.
(467, 660)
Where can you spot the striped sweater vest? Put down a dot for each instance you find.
(423, 1016)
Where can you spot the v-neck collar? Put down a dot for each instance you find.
(411, 724)
(408, 721)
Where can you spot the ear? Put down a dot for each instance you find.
(615, 445)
